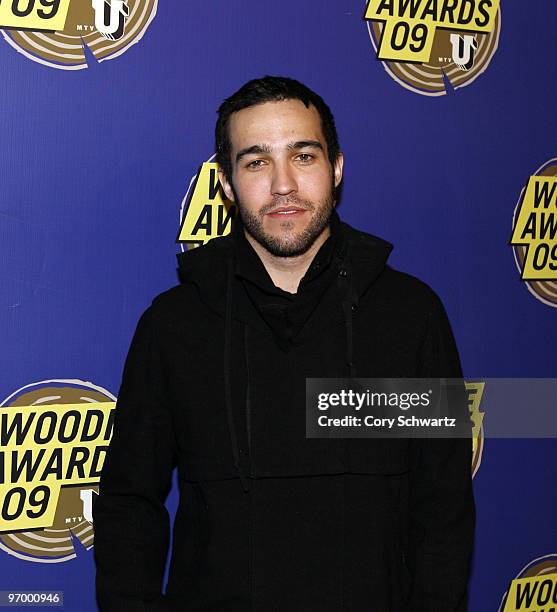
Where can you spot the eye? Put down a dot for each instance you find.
(304, 157)
(256, 163)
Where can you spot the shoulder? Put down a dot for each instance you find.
(410, 288)
(405, 300)
(168, 301)
(202, 273)
(164, 308)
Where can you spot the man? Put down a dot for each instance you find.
(215, 383)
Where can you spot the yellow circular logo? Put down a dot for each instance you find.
(205, 212)
(535, 587)
(107, 28)
(54, 438)
(429, 48)
(534, 237)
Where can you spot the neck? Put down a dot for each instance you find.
(287, 272)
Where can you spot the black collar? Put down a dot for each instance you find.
(249, 266)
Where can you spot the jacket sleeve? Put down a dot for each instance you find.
(442, 510)
(130, 519)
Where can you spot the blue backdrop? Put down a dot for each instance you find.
(94, 164)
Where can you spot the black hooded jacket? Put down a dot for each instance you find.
(268, 519)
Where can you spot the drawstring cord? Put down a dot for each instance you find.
(227, 382)
(349, 299)
(349, 306)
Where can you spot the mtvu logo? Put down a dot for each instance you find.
(99, 29)
(110, 17)
(464, 50)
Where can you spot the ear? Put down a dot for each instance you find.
(339, 164)
(226, 186)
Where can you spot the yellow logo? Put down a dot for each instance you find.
(104, 29)
(534, 235)
(426, 45)
(205, 212)
(475, 392)
(33, 15)
(534, 589)
(410, 25)
(54, 436)
(536, 228)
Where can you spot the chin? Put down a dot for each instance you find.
(291, 248)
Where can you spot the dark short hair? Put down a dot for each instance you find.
(271, 89)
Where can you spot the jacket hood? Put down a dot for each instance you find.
(356, 262)
(205, 267)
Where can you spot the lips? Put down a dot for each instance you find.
(287, 211)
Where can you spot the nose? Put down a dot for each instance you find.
(284, 181)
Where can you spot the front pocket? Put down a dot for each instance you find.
(189, 540)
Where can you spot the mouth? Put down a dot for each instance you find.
(286, 211)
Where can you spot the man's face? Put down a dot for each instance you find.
(282, 180)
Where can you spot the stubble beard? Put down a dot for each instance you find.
(288, 244)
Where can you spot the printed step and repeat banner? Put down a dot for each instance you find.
(445, 112)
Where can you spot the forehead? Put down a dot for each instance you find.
(275, 124)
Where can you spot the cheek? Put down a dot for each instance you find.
(318, 184)
(253, 191)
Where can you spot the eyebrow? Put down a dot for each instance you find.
(253, 150)
(305, 144)
(261, 148)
